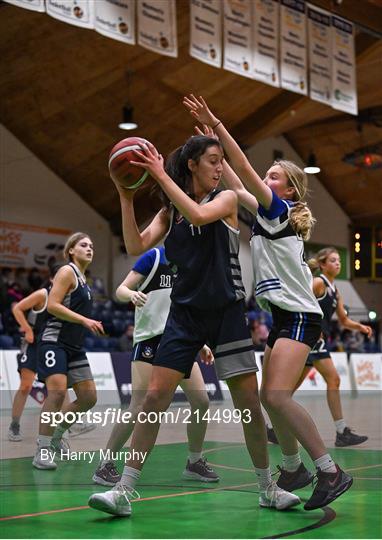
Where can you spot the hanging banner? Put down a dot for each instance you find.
(116, 19)
(33, 5)
(293, 69)
(343, 67)
(320, 52)
(265, 42)
(205, 31)
(238, 56)
(30, 246)
(77, 12)
(157, 26)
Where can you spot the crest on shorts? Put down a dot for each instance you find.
(147, 352)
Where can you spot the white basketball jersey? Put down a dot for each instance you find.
(282, 277)
(151, 318)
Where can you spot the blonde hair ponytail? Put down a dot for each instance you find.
(302, 220)
(300, 216)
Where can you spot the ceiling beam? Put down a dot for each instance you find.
(270, 119)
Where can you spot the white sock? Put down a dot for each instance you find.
(130, 477)
(340, 425)
(194, 456)
(325, 464)
(59, 432)
(44, 441)
(264, 477)
(291, 463)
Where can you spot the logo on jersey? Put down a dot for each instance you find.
(179, 218)
(147, 352)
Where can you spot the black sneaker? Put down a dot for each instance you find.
(329, 486)
(272, 435)
(200, 471)
(289, 481)
(106, 474)
(14, 434)
(349, 438)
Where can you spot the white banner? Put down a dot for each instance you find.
(343, 67)
(205, 31)
(157, 26)
(5, 388)
(265, 42)
(320, 52)
(293, 47)
(33, 5)
(115, 19)
(104, 378)
(77, 12)
(238, 49)
(366, 370)
(29, 246)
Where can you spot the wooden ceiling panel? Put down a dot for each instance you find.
(63, 88)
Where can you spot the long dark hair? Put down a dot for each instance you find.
(177, 162)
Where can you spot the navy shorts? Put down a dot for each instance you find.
(224, 330)
(28, 359)
(145, 350)
(54, 358)
(319, 352)
(299, 326)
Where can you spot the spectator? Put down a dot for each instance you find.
(125, 342)
(34, 278)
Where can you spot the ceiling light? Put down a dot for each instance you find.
(312, 167)
(127, 115)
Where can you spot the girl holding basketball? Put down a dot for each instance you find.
(201, 234)
(283, 286)
(62, 360)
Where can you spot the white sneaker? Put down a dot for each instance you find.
(14, 433)
(115, 501)
(80, 429)
(43, 459)
(62, 447)
(275, 497)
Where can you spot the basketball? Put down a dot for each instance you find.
(127, 175)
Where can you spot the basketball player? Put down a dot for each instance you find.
(148, 286)
(329, 262)
(62, 360)
(207, 306)
(283, 286)
(35, 304)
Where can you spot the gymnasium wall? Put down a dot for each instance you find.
(32, 194)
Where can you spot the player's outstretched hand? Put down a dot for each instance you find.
(198, 108)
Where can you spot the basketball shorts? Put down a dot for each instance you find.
(145, 350)
(319, 352)
(28, 359)
(54, 358)
(299, 326)
(224, 330)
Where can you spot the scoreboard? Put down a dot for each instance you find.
(367, 253)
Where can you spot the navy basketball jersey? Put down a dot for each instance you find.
(36, 320)
(206, 260)
(70, 335)
(151, 318)
(328, 303)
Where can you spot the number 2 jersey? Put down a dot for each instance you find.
(67, 334)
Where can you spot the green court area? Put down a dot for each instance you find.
(53, 504)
